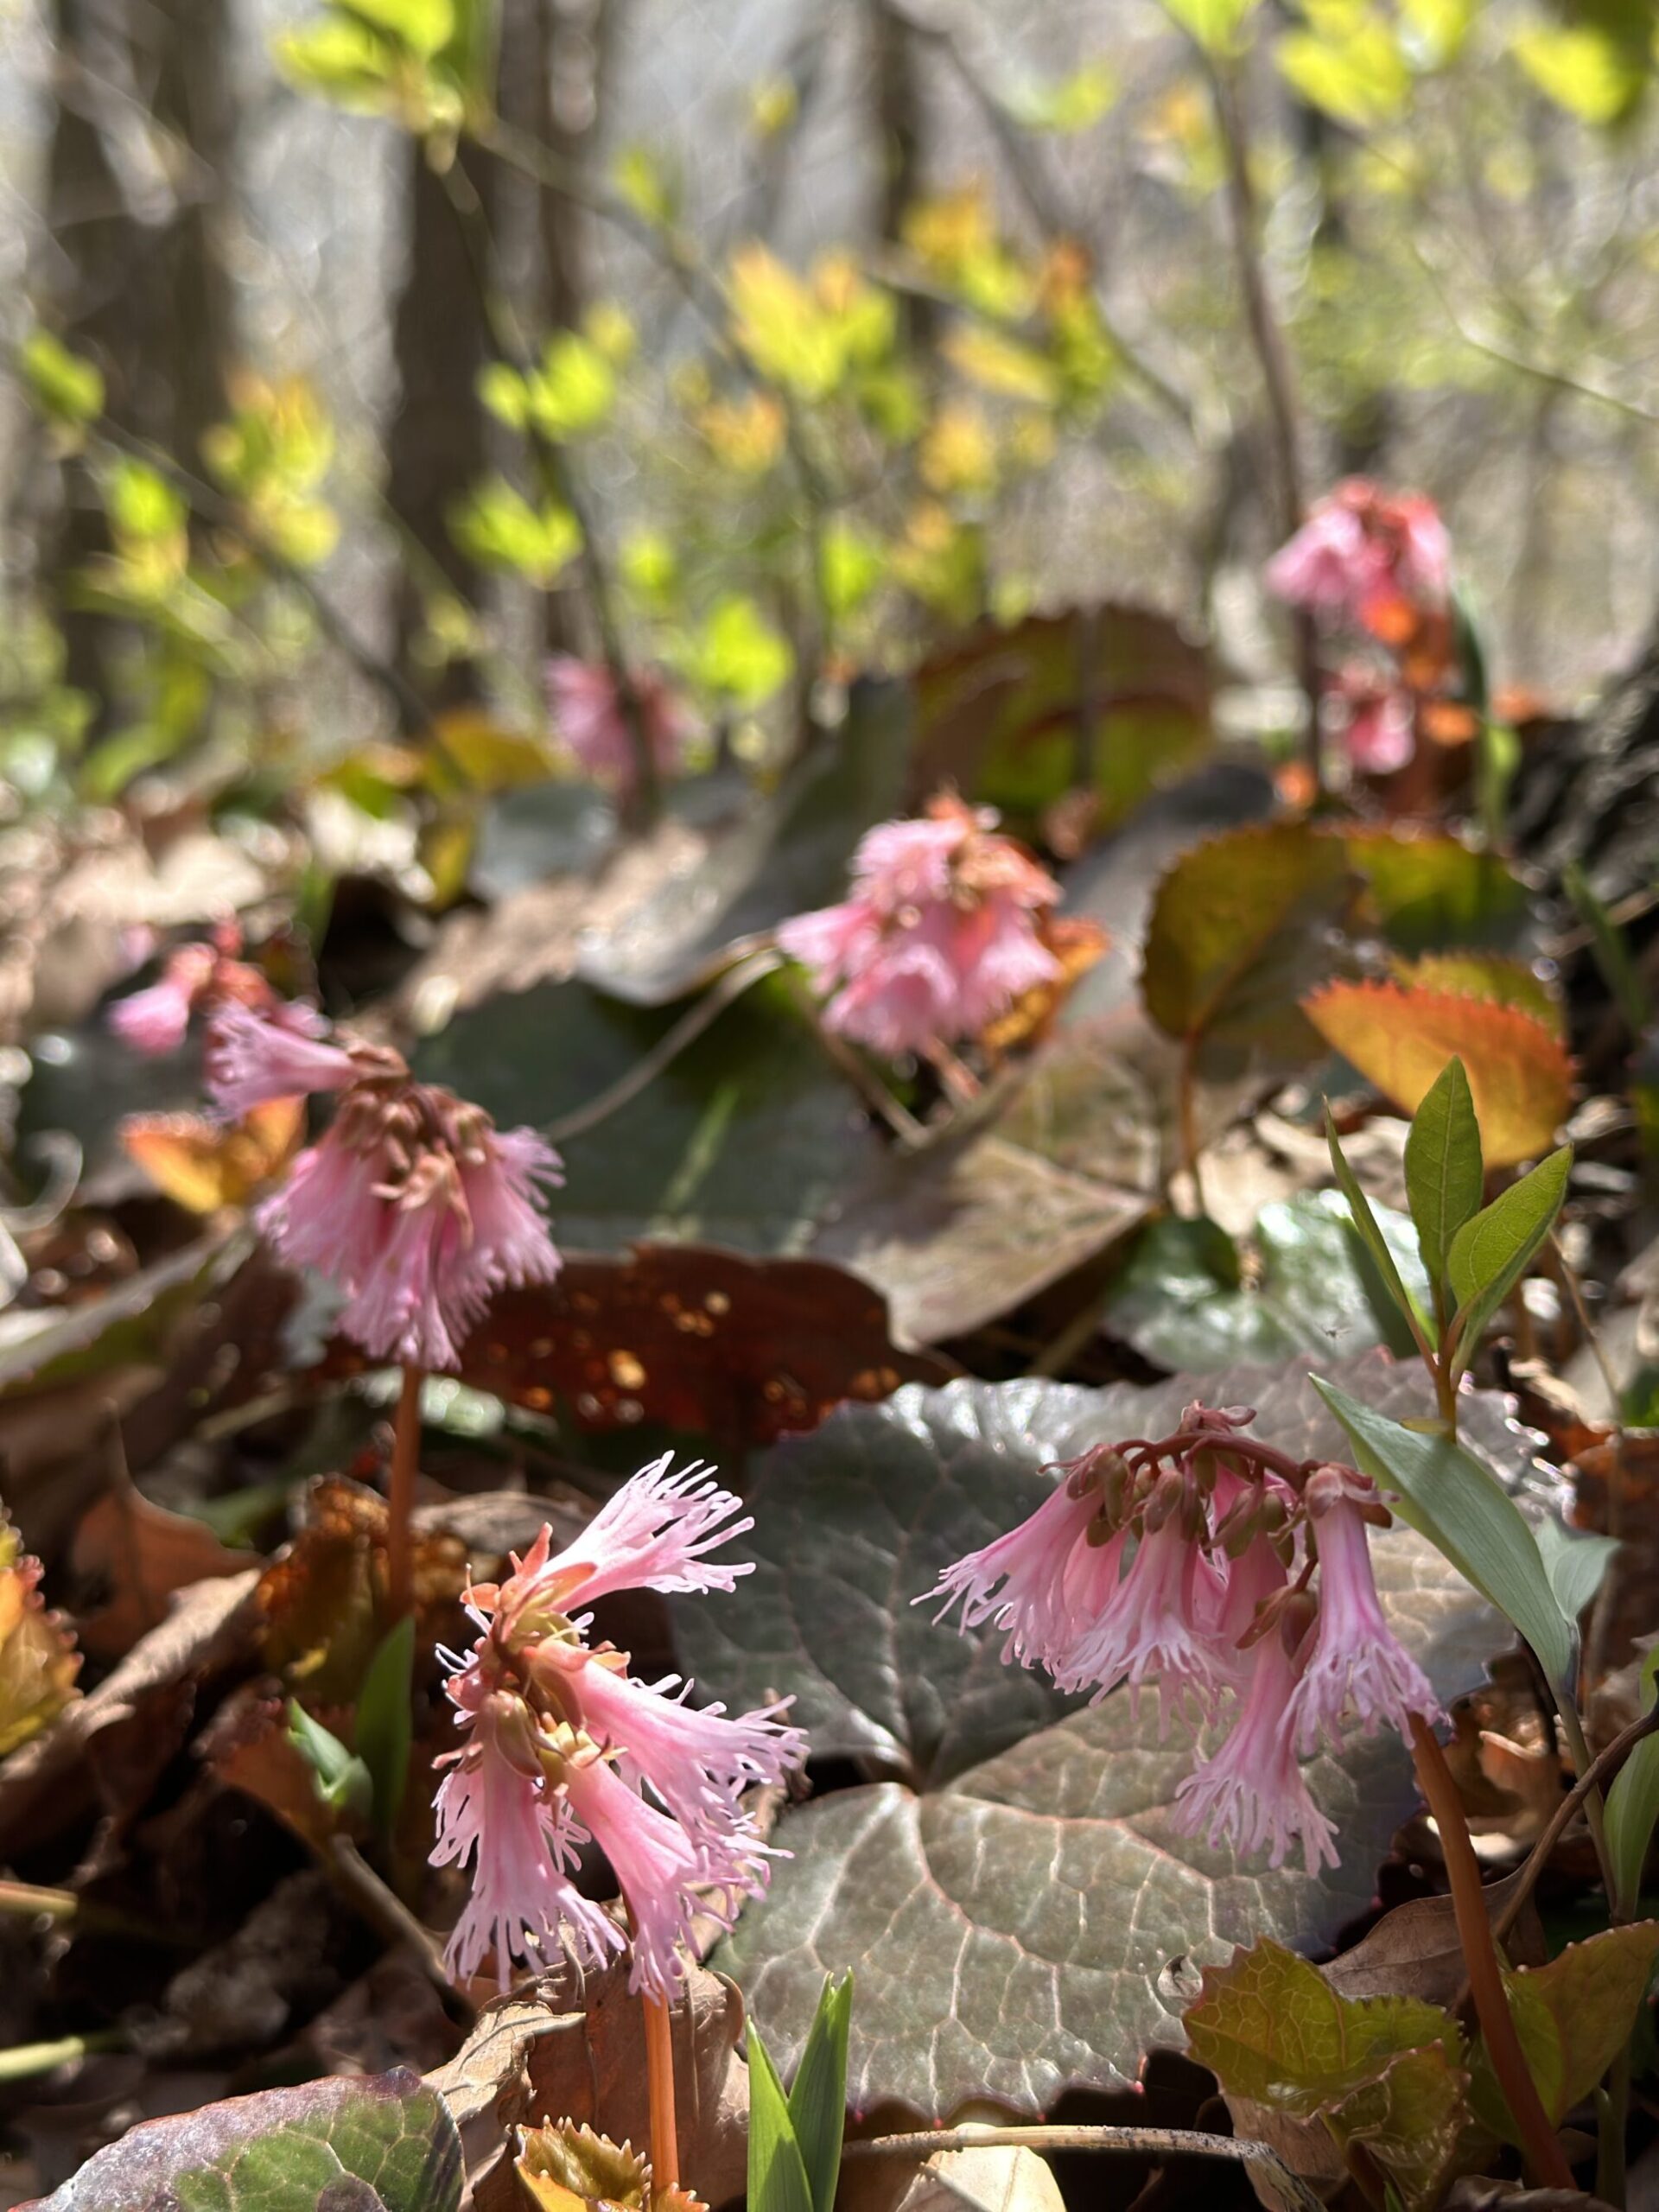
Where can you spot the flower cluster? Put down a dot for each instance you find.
(565, 1747)
(589, 715)
(1237, 1581)
(412, 1201)
(1377, 568)
(942, 932)
(196, 978)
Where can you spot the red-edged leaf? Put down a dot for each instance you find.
(1400, 1040)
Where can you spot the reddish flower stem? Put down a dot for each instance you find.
(1542, 2145)
(400, 1504)
(659, 2076)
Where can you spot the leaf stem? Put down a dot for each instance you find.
(24, 2061)
(659, 2076)
(1543, 2151)
(400, 1502)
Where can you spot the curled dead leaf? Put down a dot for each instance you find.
(38, 1659)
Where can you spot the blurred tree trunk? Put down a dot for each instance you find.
(898, 117)
(436, 445)
(133, 269)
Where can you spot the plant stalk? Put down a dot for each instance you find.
(1542, 2146)
(659, 2076)
(400, 1502)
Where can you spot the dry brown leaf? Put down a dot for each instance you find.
(1413, 1951)
(49, 1783)
(575, 2051)
(139, 1554)
(204, 1165)
(38, 1659)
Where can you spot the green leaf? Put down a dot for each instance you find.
(1239, 934)
(342, 1778)
(1432, 895)
(1575, 1566)
(1490, 1253)
(922, 1881)
(1633, 1802)
(740, 655)
(374, 2143)
(1314, 1287)
(1076, 103)
(1270, 2027)
(1592, 72)
(384, 1723)
(1452, 1500)
(778, 2180)
(343, 60)
(60, 383)
(1410, 2119)
(1362, 78)
(1368, 1230)
(1214, 24)
(1573, 2017)
(817, 2099)
(423, 26)
(1611, 948)
(1444, 1170)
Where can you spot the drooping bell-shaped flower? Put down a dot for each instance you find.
(1152, 1630)
(1252, 1793)
(1367, 556)
(411, 1201)
(1044, 1581)
(589, 715)
(656, 1783)
(942, 932)
(202, 976)
(1356, 1667)
(1376, 722)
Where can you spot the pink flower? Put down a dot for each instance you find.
(1378, 727)
(1251, 1793)
(1043, 1582)
(156, 1020)
(1152, 1630)
(696, 1760)
(1361, 553)
(940, 936)
(595, 1756)
(589, 717)
(1356, 1664)
(420, 1211)
(255, 1056)
(655, 1533)
(1329, 565)
(496, 1809)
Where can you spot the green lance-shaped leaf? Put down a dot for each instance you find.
(1575, 1566)
(818, 2101)
(342, 1780)
(1366, 1227)
(385, 1724)
(1490, 1253)
(1633, 1802)
(1443, 1166)
(1448, 1496)
(778, 2180)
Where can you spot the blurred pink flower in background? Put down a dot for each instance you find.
(588, 714)
(941, 934)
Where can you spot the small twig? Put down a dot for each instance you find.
(385, 1911)
(557, 482)
(400, 1496)
(1123, 2142)
(1601, 1768)
(213, 507)
(667, 1049)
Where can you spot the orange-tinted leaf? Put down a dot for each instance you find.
(1487, 975)
(1400, 1040)
(38, 1659)
(1077, 944)
(204, 1166)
